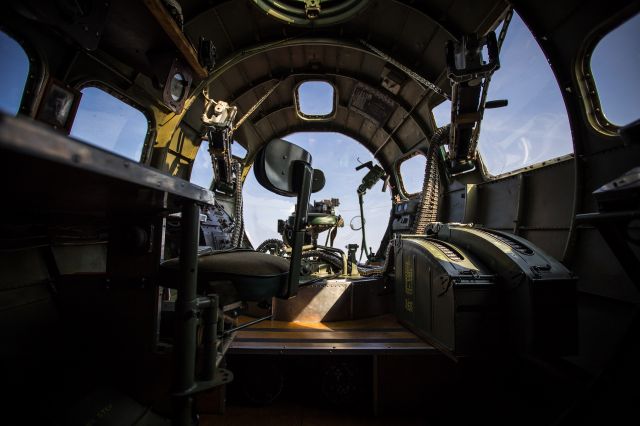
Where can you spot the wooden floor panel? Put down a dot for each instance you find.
(380, 334)
(296, 415)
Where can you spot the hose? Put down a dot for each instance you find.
(272, 244)
(278, 248)
(334, 261)
(371, 271)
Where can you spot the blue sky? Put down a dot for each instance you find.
(15, 69)
(533, 128)
(202, 171)
(316, 98)
(101, 119)
(619, 93)
(412, 171)
(109, 123)
(335, 154)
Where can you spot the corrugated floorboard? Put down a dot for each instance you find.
(297, 415)
(381, 334)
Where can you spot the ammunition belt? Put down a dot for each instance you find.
(430, 196)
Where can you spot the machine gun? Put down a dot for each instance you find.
(470, 75)
(321, 217)
(371, 178)
(368, 181)
(218, 118)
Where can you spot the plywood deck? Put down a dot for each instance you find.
(285, 414)
(381, 334)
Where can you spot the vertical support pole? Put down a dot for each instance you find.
(209, 338)
(363, 248)
(187, 312)
(376, 387)
(302, 173)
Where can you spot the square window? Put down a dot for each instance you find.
(412, 173)
(14, 74)
(315, 100)
(107, 122)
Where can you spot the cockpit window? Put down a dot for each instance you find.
(337, 156)
(238, 150)
(534, 126)
(109, 123)
(615, 62)
(442, 113)
(15, 70)
(315, 100)
(202, 169)
(412, 173)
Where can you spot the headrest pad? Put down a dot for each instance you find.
(274, 166)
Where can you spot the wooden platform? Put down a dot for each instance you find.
(284, 414)
(377, 335)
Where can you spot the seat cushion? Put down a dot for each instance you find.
(254, 276)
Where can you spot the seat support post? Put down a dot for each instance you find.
(209, 338)
(302, 173)
(187, 315)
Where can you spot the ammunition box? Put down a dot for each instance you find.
(446, 296)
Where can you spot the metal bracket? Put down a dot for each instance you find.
(221, 376)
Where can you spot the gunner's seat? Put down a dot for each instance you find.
(235, 275)
(248, 275)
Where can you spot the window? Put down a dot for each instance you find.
(315, 100)
(109, 123)
(412, 173)
(534, 126)
(202, 169)
(238, 150)
(615, 62)
(442, 113)
(337, 156)
(15, 70)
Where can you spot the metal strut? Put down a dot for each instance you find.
(414, 75)
(374, 174)
(191, 310)
(256, 105)
(363, 244)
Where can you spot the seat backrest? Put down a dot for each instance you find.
(285, 168)
(274, 168)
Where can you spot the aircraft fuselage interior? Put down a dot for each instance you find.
(303, 212)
